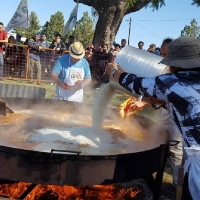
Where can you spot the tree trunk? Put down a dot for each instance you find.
(111, 14)
(108, 24)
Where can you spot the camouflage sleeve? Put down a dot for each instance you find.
(33, 45)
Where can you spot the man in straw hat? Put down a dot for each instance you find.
(71, 73)
(181, 90)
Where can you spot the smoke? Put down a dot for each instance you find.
(141, 133)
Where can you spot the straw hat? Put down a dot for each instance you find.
(76, 50)
(183, 52)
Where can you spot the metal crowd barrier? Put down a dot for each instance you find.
(17, 63)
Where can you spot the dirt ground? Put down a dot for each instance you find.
(168, 191)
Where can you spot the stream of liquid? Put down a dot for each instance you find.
(101, 104)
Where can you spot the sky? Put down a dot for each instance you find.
(146, 25)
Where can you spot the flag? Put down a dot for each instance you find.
(20, 18)
(71, 21)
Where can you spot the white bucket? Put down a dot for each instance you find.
(139, 62)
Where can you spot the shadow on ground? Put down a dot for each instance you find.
(168, 191)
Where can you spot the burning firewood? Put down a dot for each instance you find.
(136, 189)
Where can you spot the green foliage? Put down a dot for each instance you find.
(44, 28)
(32, 28)
(84, 30)
(131, 3)
(192, 30)
(55, 25)
(156, 4)
(196, 2)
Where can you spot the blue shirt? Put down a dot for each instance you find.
(157, 52)
(64, 62)
(45, 44)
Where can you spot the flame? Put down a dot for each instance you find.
(128, 193)
(14, 190)
(54, 192)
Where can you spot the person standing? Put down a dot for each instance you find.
(20, 56)
(165, 119)
(152, 48)
(71, 73)
(44, 55)
(18, 40)
(116, 50)
(141, 45)
(180, 89)
(163, 48)
(70, 41)
(10, 57)
(44, 41)
(59, 46)
(3, 40)
(176, 152)
(35, 47)
(157, 51)
(123, 43)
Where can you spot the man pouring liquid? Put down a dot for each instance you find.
(181, 90)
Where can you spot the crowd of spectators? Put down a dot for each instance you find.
(42, 55)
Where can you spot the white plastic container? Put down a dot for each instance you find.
(139, 62)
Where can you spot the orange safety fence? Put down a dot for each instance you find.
(19, 64)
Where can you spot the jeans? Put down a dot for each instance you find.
(176, 152)
(1, 63)
(32, 64)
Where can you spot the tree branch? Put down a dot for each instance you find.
(137, 6)
(87, 2)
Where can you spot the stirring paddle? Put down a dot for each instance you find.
(4, 108)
